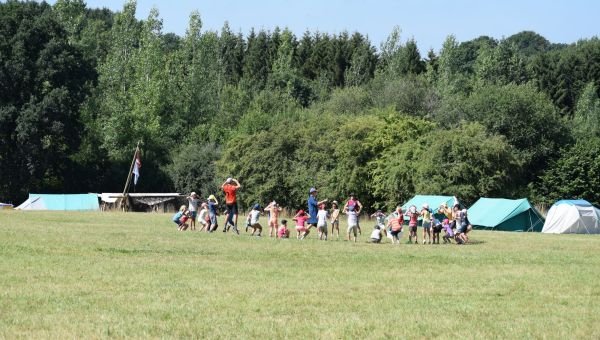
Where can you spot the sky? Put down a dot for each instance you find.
(428, 22)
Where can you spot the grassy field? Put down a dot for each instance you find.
(97, 275)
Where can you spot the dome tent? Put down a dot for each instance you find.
(572, 217)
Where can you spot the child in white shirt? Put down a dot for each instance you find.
(352, 222)
(322, 216)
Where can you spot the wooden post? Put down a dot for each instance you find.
(125, 199)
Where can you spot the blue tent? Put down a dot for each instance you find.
(433, 201)
(505, 214)
(60, 202)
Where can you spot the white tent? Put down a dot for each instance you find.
(572, 217)
(33, 203)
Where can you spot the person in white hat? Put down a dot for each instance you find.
(212, 213)
(193, 202)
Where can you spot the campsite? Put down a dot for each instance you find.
(150, 151)
(111, 274)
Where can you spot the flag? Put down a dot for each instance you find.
(136, 167)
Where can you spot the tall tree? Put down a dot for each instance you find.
(256, 61)
(42, 85)
(586, 121)
(231, 55)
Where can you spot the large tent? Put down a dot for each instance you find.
(572, 216)
(433, 201)
(505, 214)
(60, 202)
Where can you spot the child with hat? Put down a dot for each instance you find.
(213, 205)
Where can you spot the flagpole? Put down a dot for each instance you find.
(126, 189)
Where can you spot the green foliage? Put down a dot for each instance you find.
(499, 65)
(193, 168)
(465, 161)
(43, 81)
(525, 117)
(412, 95)
(400, 60)
(348, 101)
(586, 121)
(529, 43)
(80, 87)
(576, 174)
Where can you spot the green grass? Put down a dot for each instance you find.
(82, 275)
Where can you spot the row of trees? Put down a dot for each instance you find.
(79, 87)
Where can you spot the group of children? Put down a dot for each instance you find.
(454, 222)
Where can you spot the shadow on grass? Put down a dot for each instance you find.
(153, 251)
(474, 242)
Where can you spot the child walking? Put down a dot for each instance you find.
(352, 222)
(213, 204)
(203, 218)
(335, 218)
(322, 222)
(413, 216)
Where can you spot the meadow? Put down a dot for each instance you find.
(101, 275)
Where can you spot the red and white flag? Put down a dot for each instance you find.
(136, 167)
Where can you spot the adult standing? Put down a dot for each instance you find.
(193, 202)
(230, 188)
(313, 208)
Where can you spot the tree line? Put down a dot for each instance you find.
(79, 87)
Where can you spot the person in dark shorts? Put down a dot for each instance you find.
(230, 188)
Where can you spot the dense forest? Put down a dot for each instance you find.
(79, 87)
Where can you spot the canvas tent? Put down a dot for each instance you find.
(433, 201)
(60, 202)
(572, 216)
(505, 214)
